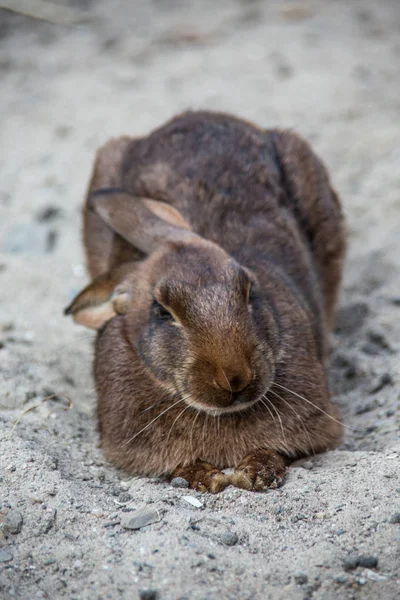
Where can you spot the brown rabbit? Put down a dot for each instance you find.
(216, 250)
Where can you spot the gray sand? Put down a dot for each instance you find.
(331, 71)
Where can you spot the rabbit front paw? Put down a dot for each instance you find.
(260, 470)
(203, 477)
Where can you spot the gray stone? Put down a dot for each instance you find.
(229, 538)
(140, 518)
(5, 556)
(350, 563)
(395, 518)
(300, 578)
(367, 561)
(362, 560)
(49, 522)
(148, 595)
(13, 521)
(179, 482)
(125, 497)
(308, 464)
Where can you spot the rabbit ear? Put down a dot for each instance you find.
(142, 222)
(101, 300)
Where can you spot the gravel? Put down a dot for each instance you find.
(301, 578)
(395, 518)
(369, 562)
(229, 538)
(179, 482)
(316, 67)
(141, 518)
(362, 560)
(13, 522)
(5, 556)
(148, 595)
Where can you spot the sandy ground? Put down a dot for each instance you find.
(331, 71)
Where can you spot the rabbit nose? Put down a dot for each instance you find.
(233, 381)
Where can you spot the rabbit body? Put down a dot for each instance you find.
(216, 250)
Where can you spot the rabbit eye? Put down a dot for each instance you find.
(161, 312)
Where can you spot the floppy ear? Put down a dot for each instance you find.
(140, 221)
(105, 297)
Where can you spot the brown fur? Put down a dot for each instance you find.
(243, 244)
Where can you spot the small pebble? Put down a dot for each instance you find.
(179, 482)
(125, 497)
(51, 463)
(148, 595)
(5, 556)
(229, 538)
(300, 578)
(49, 561)
(350, 563)
(395, 518)
(112, 523)
(193, 501)
(363, 560)
(140, 518)
(369, 562)
(13, 521)
(49, 523)
(374, 576)
(308, 464)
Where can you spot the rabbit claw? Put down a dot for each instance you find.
(203, 477)
(260, 470)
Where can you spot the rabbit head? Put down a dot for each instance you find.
(190, 312)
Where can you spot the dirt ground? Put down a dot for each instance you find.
(328, 69)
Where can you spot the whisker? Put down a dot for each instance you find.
(172, 426)
(155, 404)
(279, 417)
(314, 405)
(227, 381)
(87, 337)
(191, 431)
(268, 409)
(153, 421)
(205, 431)
(298, 417)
